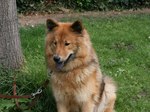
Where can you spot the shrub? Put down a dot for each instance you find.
(43, 5)
(29, 5)
(84, 4)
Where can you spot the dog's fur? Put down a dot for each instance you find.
(77, 82)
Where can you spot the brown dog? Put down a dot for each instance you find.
(76, 79)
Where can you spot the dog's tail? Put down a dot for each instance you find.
(107, 95)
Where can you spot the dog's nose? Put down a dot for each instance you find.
(56, 59)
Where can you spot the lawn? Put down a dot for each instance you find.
(122, 44)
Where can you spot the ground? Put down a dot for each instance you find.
(40, 19)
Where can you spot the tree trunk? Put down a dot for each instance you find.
(10, 47)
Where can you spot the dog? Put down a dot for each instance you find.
(76, 79)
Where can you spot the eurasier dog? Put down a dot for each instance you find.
(77, 82)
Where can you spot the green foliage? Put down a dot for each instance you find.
(104, 4)
(9, 106)
(131, 3)
(122, 45)
(29, 5)
(85, 4)
(6, 105)
(46, 5)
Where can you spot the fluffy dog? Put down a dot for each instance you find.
(77, 82)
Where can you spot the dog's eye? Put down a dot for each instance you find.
(66, 43)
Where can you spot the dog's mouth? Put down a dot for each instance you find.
(61, 64)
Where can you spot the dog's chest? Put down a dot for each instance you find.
(73, 86)
(69, 91)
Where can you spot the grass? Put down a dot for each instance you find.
(123, 47)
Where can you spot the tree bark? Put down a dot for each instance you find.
(10, 46)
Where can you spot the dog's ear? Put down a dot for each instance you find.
(51, 24)
(77, 26)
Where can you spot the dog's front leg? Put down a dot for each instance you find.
(61, 107)
(88, 107)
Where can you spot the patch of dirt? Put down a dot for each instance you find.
(35, 19)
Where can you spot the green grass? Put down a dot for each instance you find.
(123, 47)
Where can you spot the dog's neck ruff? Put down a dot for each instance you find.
(83, 73)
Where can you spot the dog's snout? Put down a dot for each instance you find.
(56, 59)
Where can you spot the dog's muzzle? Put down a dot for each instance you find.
(59, 63)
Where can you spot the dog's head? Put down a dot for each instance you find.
(63, 42)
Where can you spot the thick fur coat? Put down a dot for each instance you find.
(77, 82)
